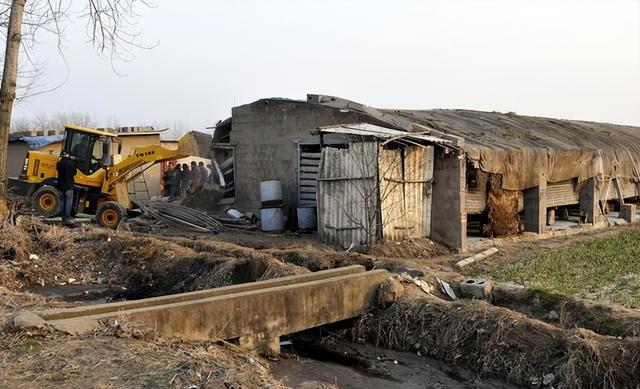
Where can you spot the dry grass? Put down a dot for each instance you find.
(419, 248)
(503, 209)
(56, 238)
(46, 361)
(499, 342)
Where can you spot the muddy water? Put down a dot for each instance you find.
(368, 367)
(87, 294)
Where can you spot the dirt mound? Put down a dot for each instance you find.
(498, 342)
(569, 312)
(150, 267)
(39, 254)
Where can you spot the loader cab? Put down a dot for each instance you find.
(91, 149)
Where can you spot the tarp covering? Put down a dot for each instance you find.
(522, 148)
(36, 142)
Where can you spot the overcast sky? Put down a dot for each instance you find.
(567, 59)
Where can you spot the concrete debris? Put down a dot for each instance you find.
(475, 288)
(478, 257)
(447, 289)
(424, 285)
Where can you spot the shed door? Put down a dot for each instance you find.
(348, 195)
(405, 191)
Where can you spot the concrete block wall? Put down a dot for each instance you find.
(589, 202)
(448, 210)
(266, 134)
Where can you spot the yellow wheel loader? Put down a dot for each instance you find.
(100, 185)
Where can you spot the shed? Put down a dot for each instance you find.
(377, 187)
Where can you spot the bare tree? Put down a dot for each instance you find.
(110, 26)
(48, 123)
(373, 189)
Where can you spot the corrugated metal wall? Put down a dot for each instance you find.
(561, 193)
(405, 191)
(348, 194)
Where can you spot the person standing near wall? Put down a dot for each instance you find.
(194, 183)
(169, 178)
(204, 174)
(177, 182)
(185, 179)
(66, 169)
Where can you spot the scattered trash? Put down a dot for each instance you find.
(251, 360)
(234, 213)
(424, 285)
(33, 257)
(447, 289)
(548, 378)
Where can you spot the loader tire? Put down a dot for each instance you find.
(47, 201)
(110, 215)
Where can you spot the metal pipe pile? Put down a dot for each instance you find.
(175, 215)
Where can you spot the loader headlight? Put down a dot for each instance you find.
(24, 167)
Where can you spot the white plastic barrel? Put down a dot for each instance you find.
(307, 218)
(271, 192)
(272, 219)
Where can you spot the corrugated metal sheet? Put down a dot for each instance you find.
(348, 195)
(405, 191)
(561, 193)
(366, 129)
(476, 200)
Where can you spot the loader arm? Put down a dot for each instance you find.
(120, 173)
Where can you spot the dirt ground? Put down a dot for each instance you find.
(468, 343)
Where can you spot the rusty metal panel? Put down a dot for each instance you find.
(561, 193)
(348, 195)
(405, 192)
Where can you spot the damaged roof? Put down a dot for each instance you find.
(523, 149)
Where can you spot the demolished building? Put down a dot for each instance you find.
(477, 172)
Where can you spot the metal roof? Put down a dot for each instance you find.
(387, 134)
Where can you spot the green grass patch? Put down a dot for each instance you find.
(30, 344)
(606, 269)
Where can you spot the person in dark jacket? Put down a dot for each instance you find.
(66, 169)
(204, 174)
(185, 180)
(169, 179)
